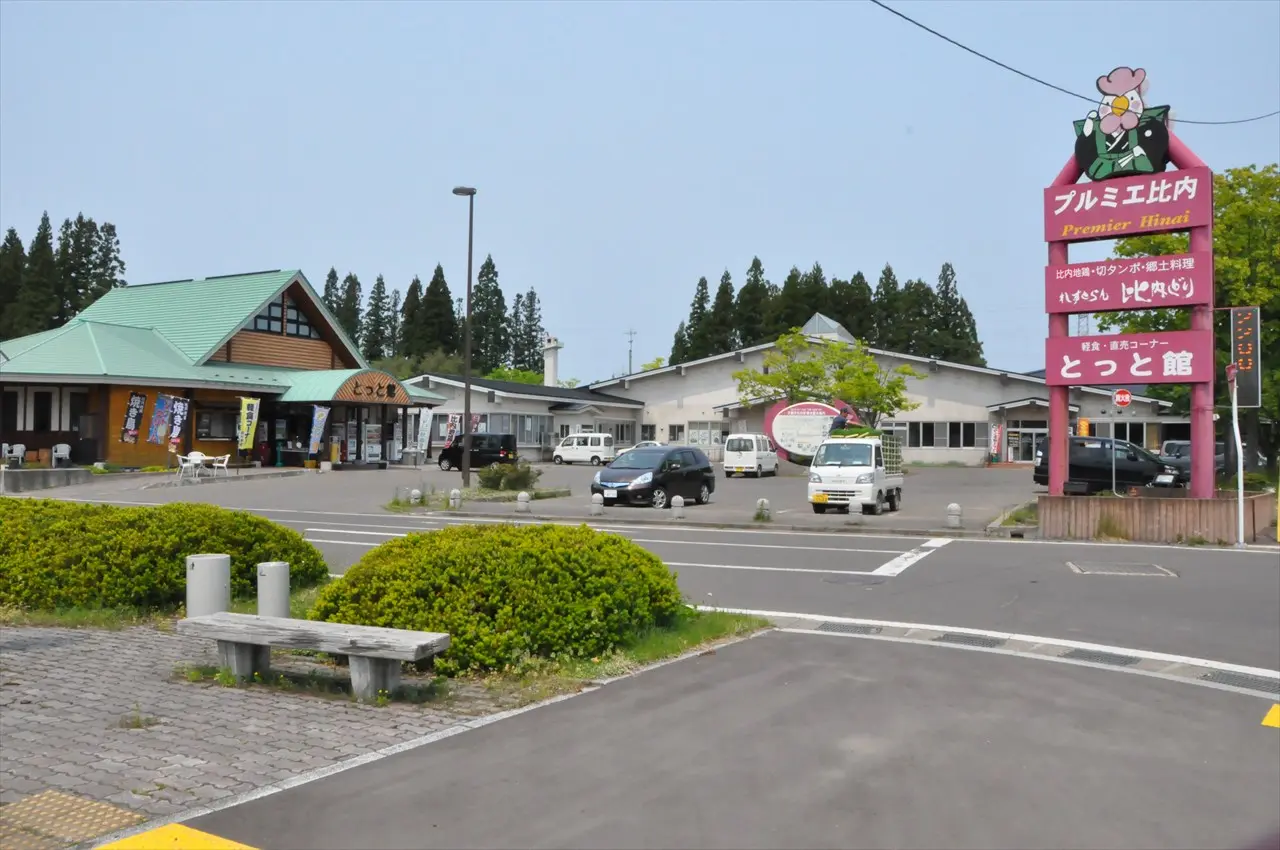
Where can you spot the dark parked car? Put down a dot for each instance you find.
(655, 475)
(485, 449)
(1089, 466)
(1177, 453)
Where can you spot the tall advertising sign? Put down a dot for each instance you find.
(1125, 147)
(319, 418)
(248, 424)
(178, 422)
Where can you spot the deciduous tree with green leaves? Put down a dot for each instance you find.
(798, 369)
(655, 363)
(519, 376)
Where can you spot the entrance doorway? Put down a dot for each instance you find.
(1024, 437)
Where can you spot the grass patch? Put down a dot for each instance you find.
(136, 719)
(433, 500)
(1028, 514)
(1109, 529)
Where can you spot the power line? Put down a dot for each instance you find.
(1034, 79)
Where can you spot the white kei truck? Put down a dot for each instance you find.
(863, 471)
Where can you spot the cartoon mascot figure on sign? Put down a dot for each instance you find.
(1123, 136)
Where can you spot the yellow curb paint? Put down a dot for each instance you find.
(175, 836)
(1273, 717)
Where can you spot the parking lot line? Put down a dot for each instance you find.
(769, 569)
(768, 546)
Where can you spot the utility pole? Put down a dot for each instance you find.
(631, 337)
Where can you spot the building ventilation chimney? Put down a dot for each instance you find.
(551, 361)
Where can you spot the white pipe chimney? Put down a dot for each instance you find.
(551, 362)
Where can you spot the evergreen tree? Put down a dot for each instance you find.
(750, 310)
(955, 330)
(38, 303)
(717, 334)
(332, 294)
(533, 333)
(515, 327)
(76, 259)
(441, 318)
(375, 331)
(394, 327)
(680, 346)
(108, 265)
(888, 333)
(917, 312)
(490, 339)
(794, 305)
(849, 303)
(695, 345)
(13, 269)
(348, 312)
(412, 340)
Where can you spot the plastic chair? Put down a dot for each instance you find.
(197, 459)
(61, 452)
(222, 462)
(17, 451)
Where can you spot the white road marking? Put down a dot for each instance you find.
(350, 531)
(344, 542)
(768, 546)
(1067, 644)
(899, 564)
(769, 569)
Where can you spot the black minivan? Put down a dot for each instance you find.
(485, 449)
(1089, 466)
(654, 475)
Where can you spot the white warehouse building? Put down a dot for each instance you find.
(697, 403)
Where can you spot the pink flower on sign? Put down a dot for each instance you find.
(1121, 106)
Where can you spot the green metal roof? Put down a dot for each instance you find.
(93, 349)
(417, 393)
(317, 386)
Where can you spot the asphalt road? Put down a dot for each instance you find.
(789, 741)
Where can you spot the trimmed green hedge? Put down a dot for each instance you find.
(508, 592)
(56, 555)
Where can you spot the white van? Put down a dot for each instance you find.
(585, 448)
(750, 454)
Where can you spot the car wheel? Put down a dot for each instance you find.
(704, 495)
(595, 461)
(659, 498)
(878, 508)
(895, 501)
(819, 509)
(445, 465)
(558, 460)
(842, 509)
(759, 472)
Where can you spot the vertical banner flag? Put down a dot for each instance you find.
(178, 421)
(133, 417)
(159, 428)
(455, 425)
(319, 418)
(248, 422)
(425, 420)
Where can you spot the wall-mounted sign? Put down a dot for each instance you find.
(798, 429)
(1172, 357)
(372, 388)
(1126, 206)
(1140, 283)
(1246, 328)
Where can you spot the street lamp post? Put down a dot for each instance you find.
(470, 194)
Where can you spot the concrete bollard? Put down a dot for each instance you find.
(677, 507)
(455, 498)
(597, 504)
(522, 502)
(208, 584)
(953, 515)
(762, 510)
(855, 515)
(415, 496)
(273, 589)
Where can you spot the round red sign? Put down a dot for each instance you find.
(1122, 398)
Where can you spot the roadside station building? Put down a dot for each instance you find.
(203, 344)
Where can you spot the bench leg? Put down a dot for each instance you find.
(244, 659)
(369, 676)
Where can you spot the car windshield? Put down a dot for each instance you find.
(639, 459)
(739, 444)
(843, 454)
(1142, 453)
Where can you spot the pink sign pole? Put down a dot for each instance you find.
(1060, 325)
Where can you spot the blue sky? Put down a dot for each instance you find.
(621, 150)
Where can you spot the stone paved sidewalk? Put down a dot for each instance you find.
(70, 697)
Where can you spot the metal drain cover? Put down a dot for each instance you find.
(1243, 680)
(849, 629)
(1101, 657)
(1113, 568)
(969, 640)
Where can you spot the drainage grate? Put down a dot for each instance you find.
(1102, 568)
(1101, 657)
(848, 629)
(969, 640)
(1243, 680)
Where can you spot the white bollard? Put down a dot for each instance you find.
(273, 589)
(415, 496)
(855, 515)
(455, 498)
(762, 510)
(522, 502)
(597, 504)
(208, 584)
(953, 515)
(677, 507)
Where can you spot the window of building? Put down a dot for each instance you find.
(705, 433)
(9, 411)
(675, 433)
(500, 423)
(622, 431)
(77, 407)
(531, 429)
(565, 430)
(648, 433)
(285, 315)
(940, 435)
(216, 424)
(42, 411)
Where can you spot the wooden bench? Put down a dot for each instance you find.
(375, 654)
